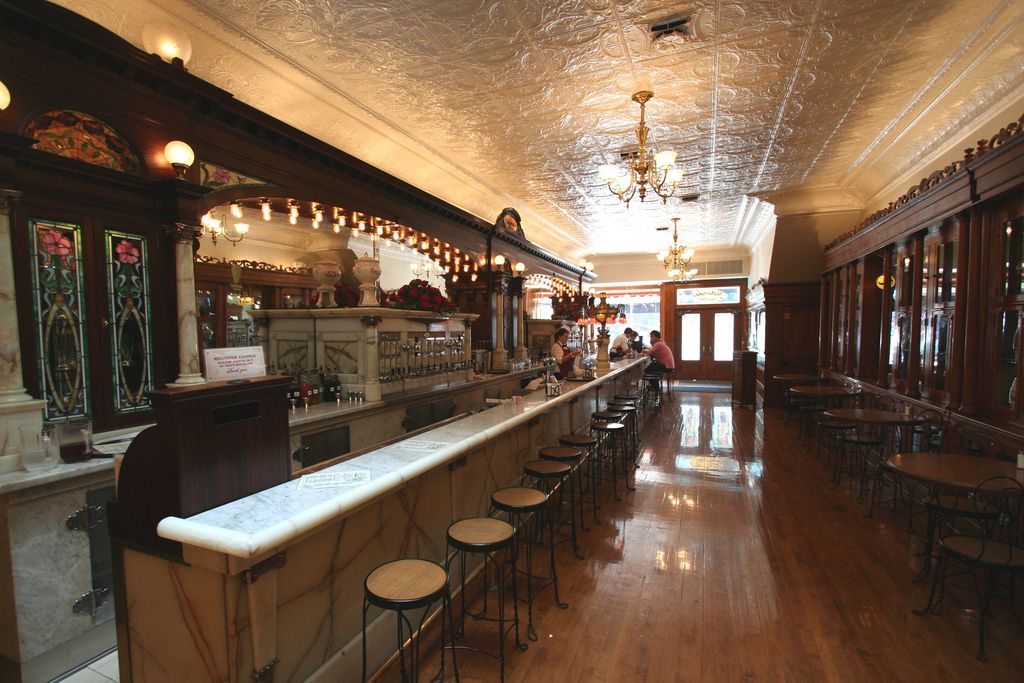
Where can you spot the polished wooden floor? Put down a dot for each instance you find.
(735, 560)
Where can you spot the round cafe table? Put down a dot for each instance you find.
(945, 472)
(796, 377)
(884, 418)
(952, 471)
(824, 392)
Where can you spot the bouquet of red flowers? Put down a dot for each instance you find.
(346, 295)
(420, 295)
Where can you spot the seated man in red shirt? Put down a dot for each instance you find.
(661, 355)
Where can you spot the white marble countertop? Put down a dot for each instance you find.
(21, 479)
(267, 520)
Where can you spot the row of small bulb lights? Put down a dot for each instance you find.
(451, 260)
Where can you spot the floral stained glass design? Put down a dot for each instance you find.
(59, 317)
(219, 177)
(130, 343)
(79, 136)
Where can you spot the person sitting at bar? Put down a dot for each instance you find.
(620, 345)
(662, 360)
(564, 358)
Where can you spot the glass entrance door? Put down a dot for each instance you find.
(706, 343)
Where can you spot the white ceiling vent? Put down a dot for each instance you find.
(714, 268)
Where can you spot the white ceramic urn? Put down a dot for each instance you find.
(367, 270)
(326, 273)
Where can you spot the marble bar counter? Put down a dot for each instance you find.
(271, 586)
(50, 521)
(341, 428)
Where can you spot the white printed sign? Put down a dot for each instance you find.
(331, 480)
(234, 363)
(424, 446)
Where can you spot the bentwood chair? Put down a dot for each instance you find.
(991, 548)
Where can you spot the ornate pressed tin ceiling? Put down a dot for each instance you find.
(488, 103)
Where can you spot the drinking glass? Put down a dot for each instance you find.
(75, 440)
(38, 447)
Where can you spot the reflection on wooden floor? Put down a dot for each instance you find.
(735, 560)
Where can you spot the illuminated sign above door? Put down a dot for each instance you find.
(707, 296)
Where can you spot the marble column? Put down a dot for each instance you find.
(371, 378)
(521, 325)
(17, 407)
(11, 388)
(467, 350)
(499, 356)
(185, 279)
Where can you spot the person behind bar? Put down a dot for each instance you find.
(620, 345)
(662, 360)
(564, 358)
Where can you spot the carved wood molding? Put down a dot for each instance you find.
(249, 264)
(8, 199)
(184, 233)
(971, 154)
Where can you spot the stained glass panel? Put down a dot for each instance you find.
(75, 135)
(59, 317)
(130, 343)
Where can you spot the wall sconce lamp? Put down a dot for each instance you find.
(180, 156)
(5, 96)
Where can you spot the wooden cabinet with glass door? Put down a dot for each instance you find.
(1004, 357)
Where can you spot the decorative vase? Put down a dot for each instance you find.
(326, 273)
(602, 350)
(367, 270)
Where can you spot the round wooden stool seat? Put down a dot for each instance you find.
(518, 499)
(607, 426)
(479, 534)
(406, 584)
(606, 415)
(546, 469)
(627, 397)
(622, 407)
(561, 453)
(580, 440)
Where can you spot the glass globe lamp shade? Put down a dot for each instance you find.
(5, 96)
(179, 155)
(664, 160)
(166, 40)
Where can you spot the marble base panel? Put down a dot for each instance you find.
(192, 621)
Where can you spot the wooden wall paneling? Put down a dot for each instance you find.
(837, 327)
(914, 369)
(824, 322)
(792, 312)
(870, 317)
(885, 317)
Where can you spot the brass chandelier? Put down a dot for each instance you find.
(677, 257)
(644, 169)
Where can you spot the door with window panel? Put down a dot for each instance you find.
(939, 288)
(1003, 393)
(91, 315)
(707, 339)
